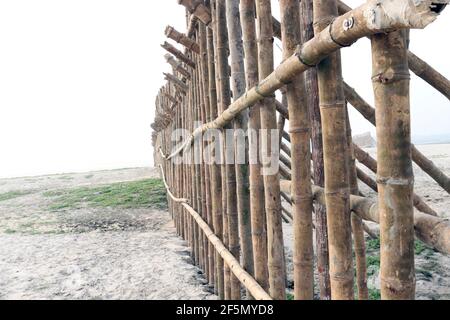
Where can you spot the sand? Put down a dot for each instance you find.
(90, 253)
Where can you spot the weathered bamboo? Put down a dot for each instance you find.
(216, 175)
(276, 260)
(182, 39)
(177, 66)
(180, 84)
(337, 193)
(299, 128)
(417, 65)
(342, 31)
(198, 9)
(230, 170)
(240, 127)
(257, 210)
(404, 15)
(425, 164)
(433, 231)
(365, 158)
(207, 117)
(246, 279)
(395, 173)
(178, 54)
(427, 73)
(356, 221)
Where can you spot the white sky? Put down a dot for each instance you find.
(78, 80)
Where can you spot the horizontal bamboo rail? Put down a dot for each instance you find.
(246, 279)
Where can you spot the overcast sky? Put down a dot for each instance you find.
(78, 80)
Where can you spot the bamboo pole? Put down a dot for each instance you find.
(216, 174)
(207, 117)
(180, 84)
(257, 210)
(246, 279)
(182, 39)
(230, 170)
(300, 134)
(276, 260)
(356, 221)
(365, 158)
(198, 9)
(425, 164)
(433, 231)
(395, 173)
(178, 54)
(332, 107)
(240, 126)
(429, 75)
(177, 66)
(418, 66)
(345, 30)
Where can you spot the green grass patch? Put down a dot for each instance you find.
(374, 294)
(149, 193)
(373, 244)
(290, 297)
(373, 261)
(14, 194)
(420, 247)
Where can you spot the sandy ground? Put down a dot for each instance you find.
(432, 268)
(90, 253)
(94, 253)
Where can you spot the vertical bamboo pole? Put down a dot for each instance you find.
(301, 159)
(276, 259)
(337, 193)
(257, 210)
(230, 171)
(395, 173)
(241, 126)
(323, 268)
(357, 223)
(207, 118)
(216, 174)
(218, 49)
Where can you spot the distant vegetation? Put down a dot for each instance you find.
(148, 193)
(14, 194)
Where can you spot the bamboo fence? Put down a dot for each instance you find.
(231, 213)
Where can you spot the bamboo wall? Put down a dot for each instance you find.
(231, 214)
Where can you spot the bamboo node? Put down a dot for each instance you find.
(391, 76)
(294, 130)
(337, 104)
(330, 30)
(395, 182)
(298, 199)
(298, 54)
